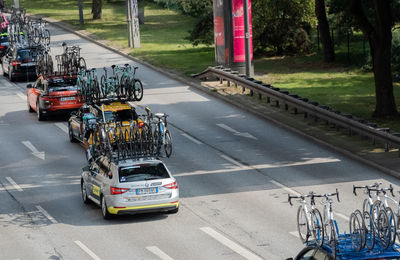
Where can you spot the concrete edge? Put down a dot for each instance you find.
(231, 102)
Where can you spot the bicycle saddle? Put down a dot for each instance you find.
(159, 115)
(113, 66)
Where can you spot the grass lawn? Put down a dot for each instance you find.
(338, 85)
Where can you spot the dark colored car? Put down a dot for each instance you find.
(20, 62)
(51, 95)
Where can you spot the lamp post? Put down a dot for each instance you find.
(80, 6)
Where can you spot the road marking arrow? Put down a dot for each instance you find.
(233, 131)
(33, 149)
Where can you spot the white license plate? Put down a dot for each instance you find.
(28, 64)
(146, 191)
(67, 98)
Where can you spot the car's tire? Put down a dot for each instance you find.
(29, 106)
(39, 113)
(72, 139)
(104, 209)
(85, 198)
(174, 211)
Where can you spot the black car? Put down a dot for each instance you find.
(20, 62)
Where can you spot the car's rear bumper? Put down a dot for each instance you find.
(144, 209)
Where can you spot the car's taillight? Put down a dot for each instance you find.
(116, 190)
(2, 46)
(15, 63)
(141, 124)
(172, 185)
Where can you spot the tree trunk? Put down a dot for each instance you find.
(323, 27)
(96, 9)
(380, 40)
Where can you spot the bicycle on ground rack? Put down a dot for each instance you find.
(331, 229)
(309, 220)
(381, 215)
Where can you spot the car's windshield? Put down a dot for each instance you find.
(125, 115)
(143, 172)
(61, 85)
(26, 55)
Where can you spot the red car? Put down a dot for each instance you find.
(51, 95)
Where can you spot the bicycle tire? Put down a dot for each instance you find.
(82, 63)
(392, 223)
(103, 85)
(302, 225)
(46, 36)
(369, 230)
(360, 217)
(138, 86)
(157, 141)
(167, 143)
(366, 206)
(375, 213)
(355, 232)
(318, 227)
(384, 229)
(333, 236)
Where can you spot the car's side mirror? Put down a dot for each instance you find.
(86, 168)
(29, 86)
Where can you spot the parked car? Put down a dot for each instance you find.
(20, 62)
(53, 94)
(4, 44)
(129, 186)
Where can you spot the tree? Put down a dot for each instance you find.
(323, 27)
(96, 9)
(377, 28)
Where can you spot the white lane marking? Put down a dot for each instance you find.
(233, 131)
(158, 252)
(285, 188)
(63, 127)
(87, 250)
(295, 233)
(340, 215)
(231, 160)
(14, 184)
(22, 96)
(191, 138)
(35, 152)
(229, 243)
(46, 214)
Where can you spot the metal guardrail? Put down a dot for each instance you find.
(309, 108)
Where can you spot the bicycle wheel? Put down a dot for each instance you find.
(355, 232)
(369, 230)
(302, 225)
(317, 227)
(333, 236)
(167, 143)
(392, 224)
(367, 207)
(384, 229)
(157, 141)
(375, 213)
(103, 84)
(46, 36)
(360, 217)
(138, 89)
(82, 63)
(36, 36)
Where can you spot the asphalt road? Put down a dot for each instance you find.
(234, 172)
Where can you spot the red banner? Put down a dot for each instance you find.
(239, 50)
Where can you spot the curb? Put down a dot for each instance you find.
(197, 85)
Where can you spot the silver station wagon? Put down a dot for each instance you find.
(129, 186)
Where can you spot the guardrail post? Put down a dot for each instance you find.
(229, 83)
(268, 100)
(259, 96)
(243, 89)
(295, 110)
(251, 92)
(277, 103)
(286, 107)
(221, 80)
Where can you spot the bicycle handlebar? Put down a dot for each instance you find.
(333, 194)
(375, 185)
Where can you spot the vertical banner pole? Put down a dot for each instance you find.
(128, 21)
(247, 37)
(16, 3)
(135, 23)
(80, 7)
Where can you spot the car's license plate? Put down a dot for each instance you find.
(28, 64)
(67, 98)
(146, 191)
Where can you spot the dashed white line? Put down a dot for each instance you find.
(295, 233)
(191, 138)
(229, 243)
(22, 96)
(14, 184)
(87, 250)
(63, 127)
(285, 188)
(231, 160)
(158, 252)
(46, 214)
(342, 216)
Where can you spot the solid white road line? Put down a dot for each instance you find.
(285, 188)
(191, 138)
(87, 250)
(155, 250)
(341, 216)
(46, 214)
(22, 96)
(233, 131)
(229, 243)
(14, 184)
(231, 160)
(63, 127)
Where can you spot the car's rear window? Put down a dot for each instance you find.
(143, 172)
(26, 55)
(61, 85)
(125, 115)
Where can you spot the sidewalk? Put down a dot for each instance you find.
(354, 146)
